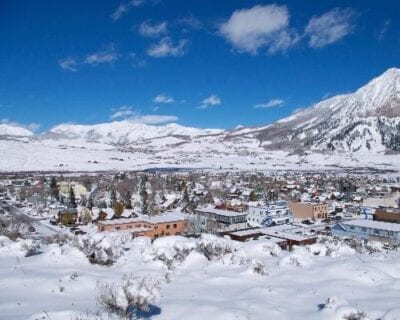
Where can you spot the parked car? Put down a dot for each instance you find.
(307, 222)
(338, 218)
(53, 222)
(31, 229)
(326, 220)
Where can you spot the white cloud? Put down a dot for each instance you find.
(30, 126)
(211, 101)
(128, 113)
(270, 104)
(122, 112)
(384, 29)
(166, 48)
(106, 56)
(69, 64)
(162, 98)
(189, 22)
(148, 29)
(329, 27)
(249, 30)
(125, 7)
(154, 119)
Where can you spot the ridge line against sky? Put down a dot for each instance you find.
(204, 65)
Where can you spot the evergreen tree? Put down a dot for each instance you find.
(54, 192)
(113, 197)
(72, 199)
(89, 203)
(185, 197)
(118, 208)
(144, 195)
(253, 196)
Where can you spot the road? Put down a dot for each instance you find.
(42, 229)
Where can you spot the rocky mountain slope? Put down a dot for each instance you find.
(368, 119)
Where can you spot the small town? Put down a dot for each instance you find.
(200, 160)
(287, 209)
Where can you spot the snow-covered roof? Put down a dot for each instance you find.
(364, 223)
(220, 212)
(170, 217)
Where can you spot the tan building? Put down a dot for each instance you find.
(387, 215)
(309, 210)
(149, 226)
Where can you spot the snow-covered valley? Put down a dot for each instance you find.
(253, 280)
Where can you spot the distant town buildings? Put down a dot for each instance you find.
(149, 226)
(221, 220)
(309, 210)
(273, 213)
(368, 230)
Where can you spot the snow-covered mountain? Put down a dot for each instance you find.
(14, 130)
(368, 119)
(126, 132)
(360, 129)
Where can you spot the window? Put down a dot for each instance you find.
(175, 225)
(167, 226)
(376, 231)
(102, 229)
(167, 234)
(117, 228)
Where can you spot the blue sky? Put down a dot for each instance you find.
(199, 63)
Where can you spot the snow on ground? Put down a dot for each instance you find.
(62, 155)
(206, 278)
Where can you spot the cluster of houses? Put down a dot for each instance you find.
(289, 209)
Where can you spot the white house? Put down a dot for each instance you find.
(273, 213)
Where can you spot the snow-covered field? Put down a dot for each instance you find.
(206, 278)
(24, 154)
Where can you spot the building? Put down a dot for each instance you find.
(368, 229)
(149, 226)
(65, 186)
(291, 234)
(67, 216)
(222, 220)
(387, 215)
(309, 210)
(274, 213)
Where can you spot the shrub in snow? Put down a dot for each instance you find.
(358, 315)
(172, 250)
(221, 249)
(258, 267)
(59, 238)
(103, 249)
(348, 246)
(341, 309)
(272, 249)
(133, 294)
(300, 258)
(5, 241)
(329, 304)
(30, 247)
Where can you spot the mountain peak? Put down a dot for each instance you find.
(7, 129)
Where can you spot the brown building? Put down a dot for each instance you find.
(387, 215)
(149, 226)
(309, 210)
